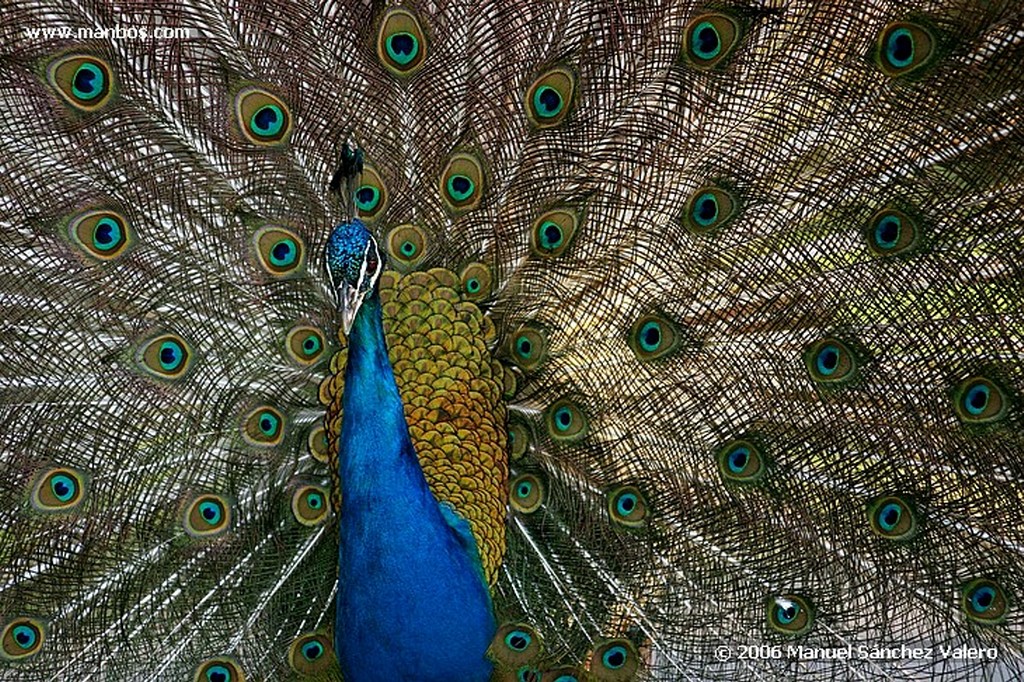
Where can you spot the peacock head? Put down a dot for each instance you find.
(354, 264)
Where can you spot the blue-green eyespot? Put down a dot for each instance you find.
(984, 601)
(550, 97)
(263, 118)
(401, 42)
(905, 47)
(83, 81)
(709, 39)
(790, 614)
(21, 638)
(207, 515)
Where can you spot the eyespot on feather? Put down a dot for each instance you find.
(84, 81)
(207, 516)
(526, 493)
(279, 251)
(710, 39)
(263, 426)
(166, 356)
(401, 43)
(263, 118)
(462, 183)
(59, 489)
(100, 234)
(550, 97)
(220, 669)
(311, 653)
(22, 638)
(790, 614)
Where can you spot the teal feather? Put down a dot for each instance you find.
(753, 270)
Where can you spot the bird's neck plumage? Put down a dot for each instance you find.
(372, 404)
(412, 602)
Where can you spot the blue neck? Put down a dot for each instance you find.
(412, 602)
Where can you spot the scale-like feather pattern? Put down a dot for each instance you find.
(452, 396)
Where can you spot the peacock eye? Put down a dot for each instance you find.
(553, 232)
(460, 187)
(171, 355)
(21, 639)
(513, 646)
(312, 651)
(402, 47)
(218, 673)
(58, 490)
(310, 654)
(790, 614)
(462, 182)
(979, 400)
(267, 121)
(615, 660)
(166, 356)
(904, 47)
(367, 197)
(107, 234)
(264, 426)
(566, 421)
(830, 361)
(103, 235)
(551, 235)
(207, 516)
(549, 96)
(627, 506)
(518, 640)
(263, 118)
(283, 252)
(219, 670)
(89, 81)
(984, 602)
(547, 102)
(891, 232)
(309, 505)
(710, 39)
(526, 493)
(83, 81)
(211, 513)
(709, 209)
(305, 345)
(407, 245)
(371, 197)
(401, 43)
(891, 517)
(279, 251)
(63, 488)
(615, 657)
(477, 281)
(528, 347)
(524, 347)
(740, 461)
(653, 337)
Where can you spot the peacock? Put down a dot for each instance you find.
(555, 341)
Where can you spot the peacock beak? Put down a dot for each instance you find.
(349, 300)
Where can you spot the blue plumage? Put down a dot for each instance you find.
(412, 601)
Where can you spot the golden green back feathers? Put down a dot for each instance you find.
(453, 393)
